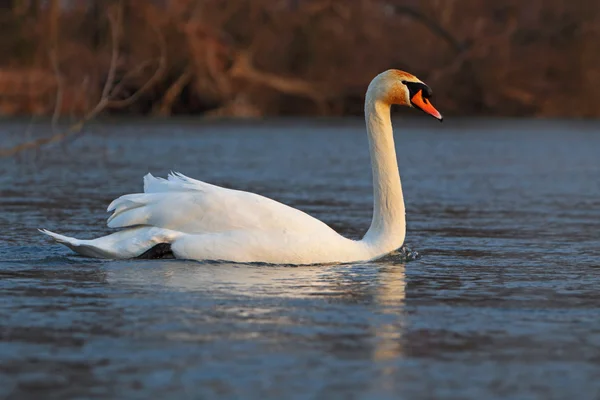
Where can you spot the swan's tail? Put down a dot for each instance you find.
(129, 243)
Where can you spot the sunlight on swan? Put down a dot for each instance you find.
(194, 220)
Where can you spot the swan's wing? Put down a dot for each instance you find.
(187, 205)
(127, 243)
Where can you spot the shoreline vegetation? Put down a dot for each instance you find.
(255, 58)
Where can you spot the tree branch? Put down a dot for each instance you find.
(115, 29)
(173, 92)
(109, 91)
(433, 26)
(59, 87)
(158, 74)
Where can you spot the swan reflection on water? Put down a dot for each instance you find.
(382, 281)
(361, 305)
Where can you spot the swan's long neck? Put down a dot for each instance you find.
(388, 227)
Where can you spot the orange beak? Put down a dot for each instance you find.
(424, 104)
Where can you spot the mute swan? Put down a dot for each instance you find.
(199, 221)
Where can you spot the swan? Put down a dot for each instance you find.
(190, 219)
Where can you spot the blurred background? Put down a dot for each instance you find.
(253, 58)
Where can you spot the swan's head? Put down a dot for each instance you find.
(398, 87)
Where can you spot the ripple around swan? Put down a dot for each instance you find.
(502, 303)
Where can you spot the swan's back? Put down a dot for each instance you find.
(187, 205)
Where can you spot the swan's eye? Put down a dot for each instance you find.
(404, 82)
(428, 92)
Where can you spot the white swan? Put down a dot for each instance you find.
(199, 221)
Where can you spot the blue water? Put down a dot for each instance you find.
(504, 303)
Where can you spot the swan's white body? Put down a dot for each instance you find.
(206, 222)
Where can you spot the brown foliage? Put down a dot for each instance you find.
(282, 57)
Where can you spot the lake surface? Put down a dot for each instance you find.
(503, 303)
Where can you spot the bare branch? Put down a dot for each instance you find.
(484, 43)
(34, 144)
(158, 74)
(135, 72)
(59, 89)
(108, 91)
(173, 92)
(115, 29)
(243, 68)
(433, 26)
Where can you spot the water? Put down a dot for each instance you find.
(505, 301)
